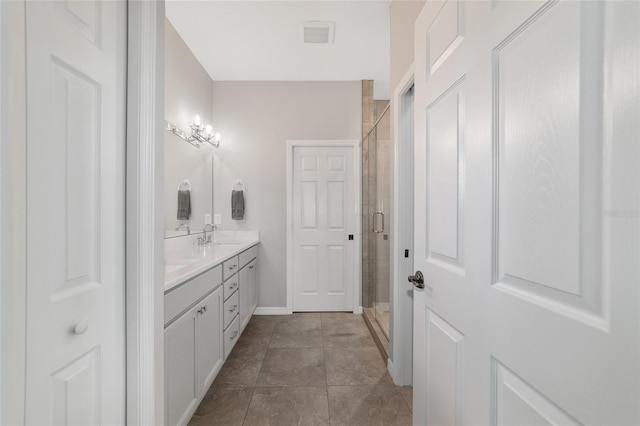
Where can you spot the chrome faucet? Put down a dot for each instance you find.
(206, 239)
(180, 225)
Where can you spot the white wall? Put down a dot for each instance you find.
(188, 90)
(256, 119)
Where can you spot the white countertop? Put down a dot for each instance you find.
(184, 259)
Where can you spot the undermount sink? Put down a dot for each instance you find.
(179, 261)
(171, 265)
(226, 243)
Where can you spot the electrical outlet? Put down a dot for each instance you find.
(207, 219)
(217, 219)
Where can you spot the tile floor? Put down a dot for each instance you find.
(305, 369)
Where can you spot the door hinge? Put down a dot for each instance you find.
(406, 252)
(350, 237)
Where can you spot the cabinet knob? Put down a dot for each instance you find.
(251, 267)
(235, 334)
(234, 308)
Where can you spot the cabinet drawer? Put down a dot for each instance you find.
(230, 267)
(231, 308)
(230, 286)
(231, 336)
(183, 296)
(248, 255)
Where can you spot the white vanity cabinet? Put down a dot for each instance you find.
(193, 344)
(204, 316)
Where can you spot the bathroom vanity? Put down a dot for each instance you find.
(210, 295)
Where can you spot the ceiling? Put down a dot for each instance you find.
(260, 40)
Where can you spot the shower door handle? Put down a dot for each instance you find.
(373, 220)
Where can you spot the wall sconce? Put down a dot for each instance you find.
(199, 133)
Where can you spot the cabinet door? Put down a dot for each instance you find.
(210, 339)
(248, 292)
(181, 386)
(253, 286)
(245, 297)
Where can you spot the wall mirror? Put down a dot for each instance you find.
(188, 92)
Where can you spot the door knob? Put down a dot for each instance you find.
(81, 326)
(417, 279)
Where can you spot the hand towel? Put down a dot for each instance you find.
(184, 204)
(237, 205)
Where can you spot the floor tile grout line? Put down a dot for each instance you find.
(253, 391)
(326, 380)
(246, 413)
(265, 356)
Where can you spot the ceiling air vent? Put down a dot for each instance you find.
(317, 32)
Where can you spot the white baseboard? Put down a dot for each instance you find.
(358, 310)
(271, 310)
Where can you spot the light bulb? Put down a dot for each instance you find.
(196, 120)
(208, 130)
(217, 137)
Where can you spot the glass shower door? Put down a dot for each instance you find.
(380, 222)
(376, 251)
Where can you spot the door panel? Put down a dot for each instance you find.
(549, 183)
(445, 136)
(526, 199)
(76, 53)
(74, 386)
(444, 371)
(323, 189)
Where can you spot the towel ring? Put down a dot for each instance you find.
(185, 185)
(239, 185)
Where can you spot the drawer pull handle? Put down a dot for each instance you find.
(234, 308)
(235, 334)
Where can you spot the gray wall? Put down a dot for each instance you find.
(256, 119)
(187, 92)
(403, 14)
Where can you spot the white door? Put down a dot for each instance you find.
(76, 70)
(323, 219)
(527, 228)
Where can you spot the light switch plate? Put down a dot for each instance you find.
(207, 218)
(217, 219)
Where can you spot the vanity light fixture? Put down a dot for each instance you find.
(199, 133)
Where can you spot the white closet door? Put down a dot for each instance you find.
(76, 75)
